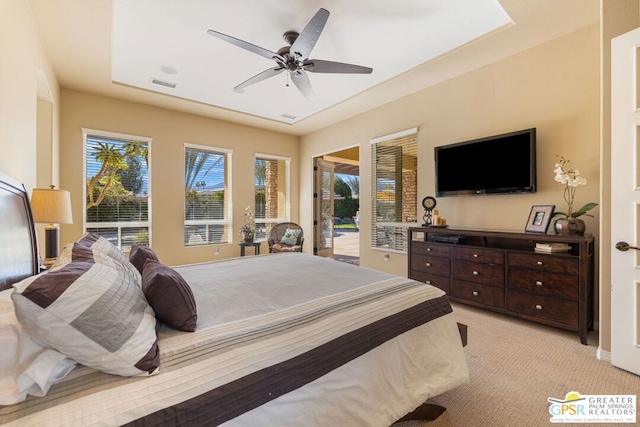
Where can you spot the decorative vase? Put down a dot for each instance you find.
(247, 237)
(566, 226)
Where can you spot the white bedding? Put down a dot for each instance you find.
(26, 367)
(259, 315)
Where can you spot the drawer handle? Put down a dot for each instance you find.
(539, 283)
(428, 264)
(428, 282)
(539, 262)
(475, 255)
(475, 293)
(538, 307)
(475, 273)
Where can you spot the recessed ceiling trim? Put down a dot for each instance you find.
(146, 37)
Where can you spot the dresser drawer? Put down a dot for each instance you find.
(431, 264)
(487, 274)
(487, 256)
(543, 283)
(554, 263)
(478, 293)
(441, 282)
(549, 308)
(432, 249)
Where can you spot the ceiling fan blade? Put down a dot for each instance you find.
(258, 78)
(246, 45)
(301, 80)
(320, 66)
(310, 34)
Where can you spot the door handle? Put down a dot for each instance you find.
(624, 246)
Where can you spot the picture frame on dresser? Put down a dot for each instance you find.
(539, 218)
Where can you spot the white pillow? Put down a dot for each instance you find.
(26, 368)
(93, 310)
(290, 237)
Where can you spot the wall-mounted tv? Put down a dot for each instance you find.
(497, 164)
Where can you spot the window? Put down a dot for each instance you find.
(271, 179)
(117, 190)
(206, 196)
(394, 171)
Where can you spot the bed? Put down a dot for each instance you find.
(280, 339)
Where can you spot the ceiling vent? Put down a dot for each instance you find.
(163, 83)
(289, 116)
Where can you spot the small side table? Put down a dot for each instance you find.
(243, 245)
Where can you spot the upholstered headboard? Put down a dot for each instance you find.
(18, 248)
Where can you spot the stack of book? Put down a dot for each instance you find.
(552, 247)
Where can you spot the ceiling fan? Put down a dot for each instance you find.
(295, 57)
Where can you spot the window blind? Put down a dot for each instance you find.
(206, 196)
(394, 167)
(117, 189)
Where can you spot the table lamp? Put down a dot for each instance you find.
(52, 207)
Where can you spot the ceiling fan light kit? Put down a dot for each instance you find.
(295, 57)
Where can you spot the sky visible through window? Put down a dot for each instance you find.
(208, 179)
(211, 176)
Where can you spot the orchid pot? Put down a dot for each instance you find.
(571, 179)
(568, 226)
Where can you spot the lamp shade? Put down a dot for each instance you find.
(51, 206)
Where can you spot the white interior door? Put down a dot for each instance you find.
(625, 202)
(323, 212)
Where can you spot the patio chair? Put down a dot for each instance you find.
(285, 237)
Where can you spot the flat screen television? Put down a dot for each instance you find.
(497, 164)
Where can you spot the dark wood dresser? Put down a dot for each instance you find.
(501, 271)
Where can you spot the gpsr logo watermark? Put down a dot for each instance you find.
(576, 408)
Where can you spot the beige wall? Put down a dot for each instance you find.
(25, 77)
(554, 87)
(169, 131)
(29, 102)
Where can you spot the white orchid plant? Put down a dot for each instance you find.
(571, 179)
(248, 228)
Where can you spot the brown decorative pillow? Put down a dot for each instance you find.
(169, 295)
(139, 254)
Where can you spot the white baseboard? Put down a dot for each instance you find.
(605, 356)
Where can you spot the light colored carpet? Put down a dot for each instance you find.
(515, 365)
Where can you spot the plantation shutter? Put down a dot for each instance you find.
(206, 196)
(394, 167)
